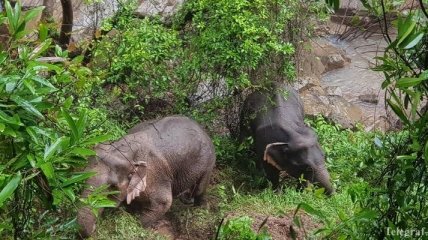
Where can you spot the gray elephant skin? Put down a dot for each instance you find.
(274, 117)
(157, 161)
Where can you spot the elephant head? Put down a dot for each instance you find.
(129, 179)
(299, 159)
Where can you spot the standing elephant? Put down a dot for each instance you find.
(151, 166)
(283, 142)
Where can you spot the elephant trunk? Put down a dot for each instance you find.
(322, 178)
(86, 219)
(85, 216)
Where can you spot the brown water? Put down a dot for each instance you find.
(357, 79)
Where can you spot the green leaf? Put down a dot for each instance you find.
(29, 86)
(83, 152)
(365, 214)
(426, 153)
(32, 134)
(52, 149)
(9, 132)
(67, 103)
(408, 82)
(37, 66)
(70, 194)
(20, 31)
(10, 187)
(397, 110)
(10, 17)
(409, 27)
(310, 210)
(27, 106)
(43, 32)
(43, 82)
(81, 123)
(40, 131)
(98, 139)
(78, 178)
(11, 120)
(48, 170)
(413, 40)
(31, 14)
(3, 56)
(104, 203)
(72, 126)
(2, 127)
(40, 49)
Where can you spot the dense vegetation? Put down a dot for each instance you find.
(201, 64)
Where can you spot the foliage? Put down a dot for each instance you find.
(401, 190)
(126, 227)
(43, 137)
(138, 63)
(215, 49)
(346, 151)
(396, 198)
(240, 228)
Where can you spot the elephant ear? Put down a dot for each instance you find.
(137, 183)
(269, 153)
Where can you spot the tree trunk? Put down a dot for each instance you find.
(67, 23)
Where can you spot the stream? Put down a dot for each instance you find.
(359, 84)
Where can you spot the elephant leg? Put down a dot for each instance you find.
(160, 202)
(187, 196)
(272, 174)
(201, 188)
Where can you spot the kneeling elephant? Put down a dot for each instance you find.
(151, 165)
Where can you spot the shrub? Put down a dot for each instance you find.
(43, 131)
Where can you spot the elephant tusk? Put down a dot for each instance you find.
(267, 158)
(140, 163)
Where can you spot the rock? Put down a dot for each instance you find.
(327, 102)
(369, 98)
(321, 57)
(88, 17)
(333, 91)
(163, 8)
(333, 61)
(311, 84)
(314, 106)
(344, 113)
(331, 56)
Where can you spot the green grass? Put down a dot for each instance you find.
(119, 224)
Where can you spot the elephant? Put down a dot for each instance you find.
(274, 118)
(151, 166)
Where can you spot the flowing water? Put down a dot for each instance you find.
(356, 80)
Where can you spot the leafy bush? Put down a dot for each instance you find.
(137, 65)
(196, 66)
(401, 190)
(43, 136)
(395, 198)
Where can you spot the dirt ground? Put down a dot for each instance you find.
(280, 228)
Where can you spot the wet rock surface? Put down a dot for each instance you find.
(335, 80)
